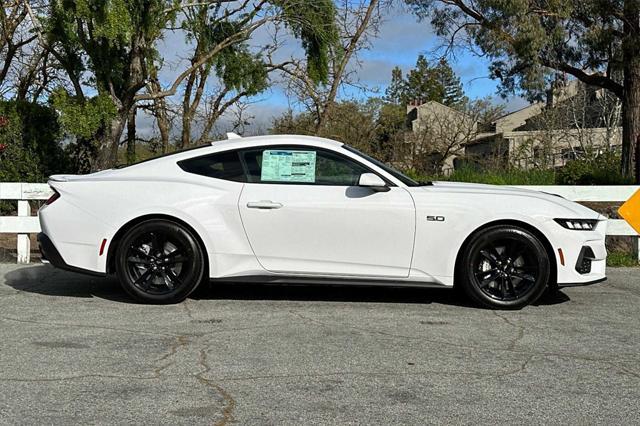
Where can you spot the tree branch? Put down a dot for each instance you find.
(595, 79)
(240, 35)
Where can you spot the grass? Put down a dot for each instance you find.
(498, 176)
(504, 177)
(618, 259)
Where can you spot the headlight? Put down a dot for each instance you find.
(578, 224)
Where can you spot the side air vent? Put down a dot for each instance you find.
(583, 265)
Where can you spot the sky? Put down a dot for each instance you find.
(402, 37)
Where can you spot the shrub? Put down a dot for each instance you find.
(507, 176)
(603, 169)
(30, 148)
(621, 259)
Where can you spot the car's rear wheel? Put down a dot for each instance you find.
(505, 267)
(159, 261)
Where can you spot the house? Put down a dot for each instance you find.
(437, 133)
(574, 120)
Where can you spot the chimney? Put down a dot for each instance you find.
(411, 105)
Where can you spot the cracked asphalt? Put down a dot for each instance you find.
(76, 350)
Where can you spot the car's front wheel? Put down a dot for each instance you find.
(505, 267)
(159, 261)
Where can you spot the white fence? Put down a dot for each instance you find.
(24, 224)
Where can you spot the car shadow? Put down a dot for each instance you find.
(48, 281)
(346, 293)
(329, 293)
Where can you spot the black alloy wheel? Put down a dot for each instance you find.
(159, 262)
(505, 267)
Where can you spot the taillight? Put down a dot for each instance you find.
(54, 197)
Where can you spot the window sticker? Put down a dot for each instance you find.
(288, 166)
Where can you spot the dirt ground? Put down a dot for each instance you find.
(8, 244)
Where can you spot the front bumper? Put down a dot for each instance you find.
(599, 280)
(584, 255)
(50, 253)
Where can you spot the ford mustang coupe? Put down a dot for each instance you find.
(310, 210)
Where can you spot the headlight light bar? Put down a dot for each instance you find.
(578, 224)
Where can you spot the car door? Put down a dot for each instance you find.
(303, 213)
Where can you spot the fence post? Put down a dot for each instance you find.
(24, 243)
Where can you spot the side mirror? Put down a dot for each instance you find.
(373, 181)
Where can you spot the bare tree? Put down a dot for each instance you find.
(440, 132)
(14, 34)
(159, 108)
(579, 121)
(358, 23)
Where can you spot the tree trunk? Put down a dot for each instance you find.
(131, 136)
(160, 111)
(186, 130)
(163, 127)
(631, 94)
(211, 120)
(187, 111)
(631, 126)
(109, 141)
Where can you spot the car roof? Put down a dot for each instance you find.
(159, 164)
(233, 143)
(250, 141)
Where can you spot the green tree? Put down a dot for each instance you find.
(397, 88)
(530, 41)
(391, 126)
(29, 140)
(240, 71)
(114, 43)
(426, 83)
(351, 122)
(452, 92)
(422, 83)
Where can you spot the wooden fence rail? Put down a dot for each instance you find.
(24, 224)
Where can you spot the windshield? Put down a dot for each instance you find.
(393, 172)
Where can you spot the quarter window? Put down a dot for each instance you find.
(224, 165)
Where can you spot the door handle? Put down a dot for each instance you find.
(264, 204)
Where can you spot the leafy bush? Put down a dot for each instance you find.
(16, 162)
(603, 169)
(505, 176)
(621, 259)
(30, 148)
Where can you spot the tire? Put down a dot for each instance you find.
(505, 267)
(159, 262)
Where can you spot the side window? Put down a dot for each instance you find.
(336, 170)
(300, 165)
(224, 165)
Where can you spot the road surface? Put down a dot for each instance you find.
(76, 350)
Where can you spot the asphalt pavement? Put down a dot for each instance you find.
(77, 350)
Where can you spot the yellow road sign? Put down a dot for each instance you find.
(630, 211)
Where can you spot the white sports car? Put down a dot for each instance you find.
(310, 210)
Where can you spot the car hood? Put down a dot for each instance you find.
(569, 208)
